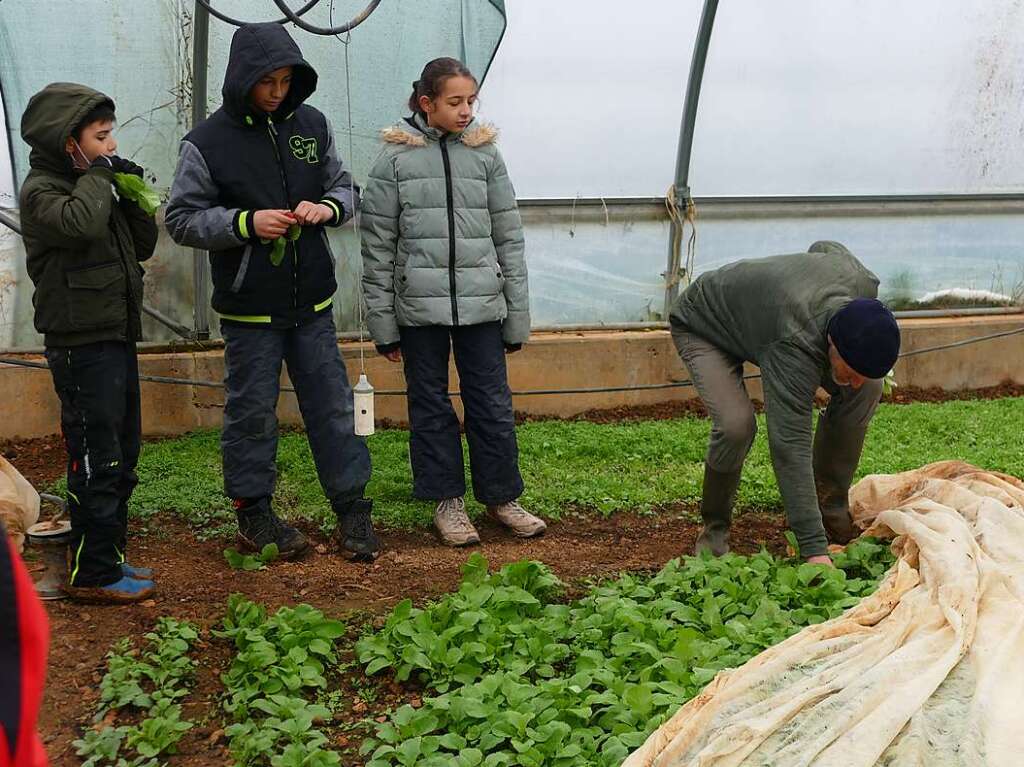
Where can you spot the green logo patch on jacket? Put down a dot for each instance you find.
(304, 149)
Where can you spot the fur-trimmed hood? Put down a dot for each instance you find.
(412, 133)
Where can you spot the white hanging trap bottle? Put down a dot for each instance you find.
(362, 396)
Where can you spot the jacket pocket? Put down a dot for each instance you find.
(243, 268)
(97, 296)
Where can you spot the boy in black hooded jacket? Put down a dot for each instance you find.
(256, 184)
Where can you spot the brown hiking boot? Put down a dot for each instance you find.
(453, 525)
(517, 519)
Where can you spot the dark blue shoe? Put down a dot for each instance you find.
(138, 573)
(123, 591)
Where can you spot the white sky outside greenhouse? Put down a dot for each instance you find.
(799, 97)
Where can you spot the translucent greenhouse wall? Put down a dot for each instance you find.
(139, 52)
(601, 264)
(799, 98)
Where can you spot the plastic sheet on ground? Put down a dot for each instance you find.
(929, 670)
(19, 503)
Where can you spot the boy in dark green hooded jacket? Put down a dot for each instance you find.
(83, 246)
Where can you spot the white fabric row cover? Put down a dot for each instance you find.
(929, 670)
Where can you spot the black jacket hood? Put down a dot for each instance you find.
(256, 50)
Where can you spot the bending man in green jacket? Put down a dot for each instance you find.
(807, 320)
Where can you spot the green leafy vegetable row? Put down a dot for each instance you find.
(521, 679)
(279, 660)
(151, 681)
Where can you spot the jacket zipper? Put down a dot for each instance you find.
(287, 200)
(451, 230)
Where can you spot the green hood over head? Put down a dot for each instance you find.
(50, 117)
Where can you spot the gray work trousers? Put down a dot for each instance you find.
(838, 439)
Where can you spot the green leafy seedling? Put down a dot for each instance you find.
(791, 540)
(160, 732)
(280, 658)
(277, 252)
(889, 383)
(148, 679)
(252, 561)
(133, 188)
(100, 747)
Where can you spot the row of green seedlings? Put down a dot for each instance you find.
(279, 664)
(147, 683)
(519, 677)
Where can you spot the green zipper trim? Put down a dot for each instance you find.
(78, 555)
(323, 304)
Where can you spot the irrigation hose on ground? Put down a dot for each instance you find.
(527, 392)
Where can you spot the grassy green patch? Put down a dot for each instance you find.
(603, 467)
(518, 678)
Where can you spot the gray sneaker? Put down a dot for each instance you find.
(517, 519)
(452, 523)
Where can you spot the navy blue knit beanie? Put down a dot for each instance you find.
(866, 336)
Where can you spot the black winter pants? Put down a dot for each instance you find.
(435, 447)
(98, 387)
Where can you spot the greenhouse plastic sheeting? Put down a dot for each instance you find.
(586, 267)
(799, 98)
(140, 54)
(926, 671)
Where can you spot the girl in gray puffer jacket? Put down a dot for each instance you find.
(443, 269)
